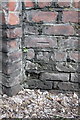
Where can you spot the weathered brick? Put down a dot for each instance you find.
(13, 18)
(12, 57)
(40, 41)
(31, 65)
(15, 5)
(13, 33)
(28, 3)
(60, 29)
(33, 29)
(75, 56)
(30, 54)
(10, 81)
(12, 5)
(9, 46)
(62, 67)
(65, 3)
(35, 83)
(43, 56)
(60, 56)
(69, 43)
(45, 3)
(66, 86)
(75, 77)
(76, 3)
(38, 16)
(70, 16)
(10, 68)
(55, 76)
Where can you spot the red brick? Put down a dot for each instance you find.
(13, 33)
(63, 3)
(70, 16)
(76, 3)
(12, 5)
(37, 16)
(43, 4)
(13, 18)
(28, 3)
(59, 29)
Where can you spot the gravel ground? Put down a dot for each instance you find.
(39, 104)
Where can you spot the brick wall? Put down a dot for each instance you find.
(46, 34)
(51, 40)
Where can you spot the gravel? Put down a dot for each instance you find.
(39, 104)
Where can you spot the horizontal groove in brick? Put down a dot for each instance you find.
(40, 41)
